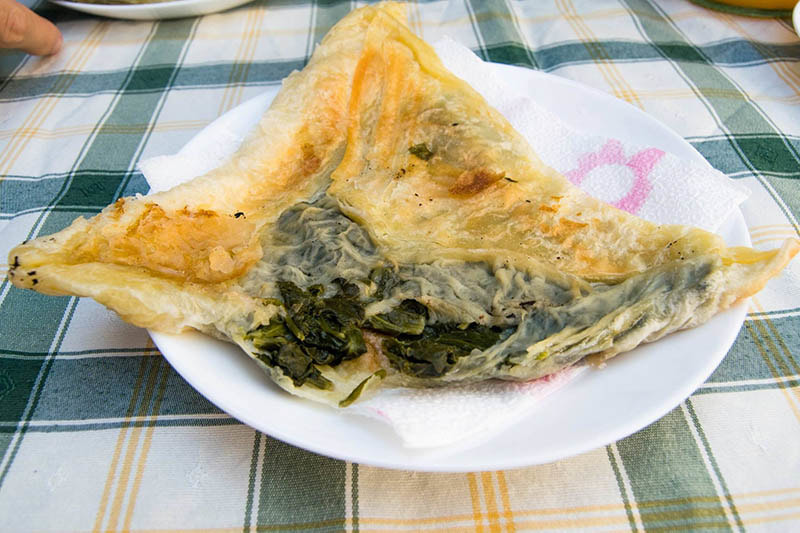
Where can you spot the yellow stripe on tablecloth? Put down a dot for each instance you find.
(41, 133)
(762, 520)
(508, 511)
(211, 34)
(608, 70)
(148, 440)
(694, 526)
(612, 507)
(531, 523)
(121, 438)
(282, 527)
(252, 46)
(244, 53)
(786, 231)
(491, 502)
(197, 530)
(224, 104)
(449, 530)
(56, 133)
(769, 506)
(775, 237)
(772, 233)
(562, 524)
(133, 443)
(769, 492)
(45, 106)
(688, 94)
(758, 229)
(572, 523)
(466, 20)
(477, 509)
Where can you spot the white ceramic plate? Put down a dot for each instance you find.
(796, 18)
(598, 407)
(161, 10)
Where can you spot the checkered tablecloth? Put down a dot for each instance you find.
(97, 432)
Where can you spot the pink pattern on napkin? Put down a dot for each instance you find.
(612, 153)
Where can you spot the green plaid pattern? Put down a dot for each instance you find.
(97, 432)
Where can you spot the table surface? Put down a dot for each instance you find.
(97, 432)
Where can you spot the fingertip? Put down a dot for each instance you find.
(58, 45)
(45, 37)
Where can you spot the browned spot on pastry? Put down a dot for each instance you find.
(310, 162)
(571, 225)
(118, 208)
(474, 181)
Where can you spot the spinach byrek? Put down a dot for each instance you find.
(383, 224)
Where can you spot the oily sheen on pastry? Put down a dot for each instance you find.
(384, 225)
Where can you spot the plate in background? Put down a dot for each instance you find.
(796, 18)
(750, 8)
(159, 10)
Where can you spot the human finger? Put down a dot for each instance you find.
(23, 29)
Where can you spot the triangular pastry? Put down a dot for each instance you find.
(384, 224)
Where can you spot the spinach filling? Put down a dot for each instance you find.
(438, 348)
(444, 320)
(422, 151)
(313, 331)
(326, 331)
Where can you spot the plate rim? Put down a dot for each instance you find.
(158, 10)
(796, 18)
(619, 431)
